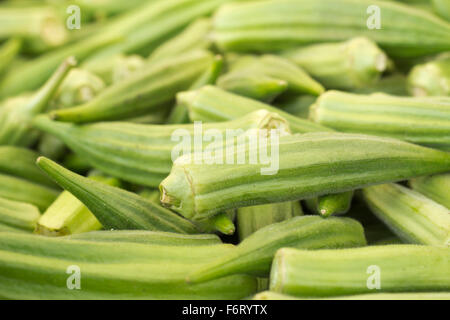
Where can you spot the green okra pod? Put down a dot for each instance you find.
(213, 104)
(326, 273)
(268, 26)
(254, 254)
(352, 64)
(423, 121)
(116, 208)
(332, 204)
(301, 166)
(110, 270)
(413, 217)
(142, 153)
(431, 78)
(18, 215)
(436, 187)
(8, 52)
(270, 295)
(15, 120)
(147, 90)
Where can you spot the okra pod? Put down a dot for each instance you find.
(413, 217)
(15, 120)
(268, 26)
(399, 268)
(18, 215)
(142, 153)
(147, 90)
(116, 208)
(435, 187)
(8, 52)
(130, 270)
(353, 64)
(332, 204)
(431, 78)
(213, 104)
(270, 295)
(254, 254)
(422, 121)
(302, 166)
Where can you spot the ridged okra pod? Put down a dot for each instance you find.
(266, 77)
(413, 217)
(213, 104)
(423, 121)
(146, 90)
(114, 270)
(270, 295)
(68, 215)
(18, 215)
(301, 166)
(431, 78)
(8, 51)
(142, 153)
(15, 119)
(255, 253)
(352, 64)
(268, 26)
(436, 187)
(148, 237)
(322, 273)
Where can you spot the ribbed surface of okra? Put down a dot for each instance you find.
(431, 78)
(436, 187)
(18, 215)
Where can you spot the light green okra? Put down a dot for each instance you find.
(331, 204)
(413, 217)
(116, 208)
(431, 78)
(436, 187)
(269, 295)
(423, 121)
(18, 215)
(352, 64)
(268, 26)
(326, 273)
(254, 255)
(302, 166)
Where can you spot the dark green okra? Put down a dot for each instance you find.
(268, 26)
(116, 208)
(435, 187)
(35, 267)
(254, 255)
(302, 166)
(431, 78)
(413, 217)
(142, 153)
(325, 273)
(423, 121)
(18, 215)
(147, 90)
(352, 64)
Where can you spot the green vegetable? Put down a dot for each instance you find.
(18, 215)
(254, 254)
(116, 208)
(142, 153)
(356, 63)
(268, 26)
(322, 273)
(8, 52)
(423, 121)
(442, 7)
(269, 295)
(309, 165)
(435, 187)
(413, 217)
(331, 204)
(15, 127)
(395, 84)
(147, 90)
(431, 78)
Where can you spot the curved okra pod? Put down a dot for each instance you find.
(270, 295)
(435, 187)
(352, 64)
(423, 121)
(332, 204)
(413, 217)
(326, 273)
(148, 89)
(254, 255)
(18, 215)
(300, 166)
(431, 78)
(268, 26)
(8, 52)
(143, 153)
(15, 120)
(116, 208)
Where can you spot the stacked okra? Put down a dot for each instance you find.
(345, 103)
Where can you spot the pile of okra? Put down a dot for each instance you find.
(225, 149)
